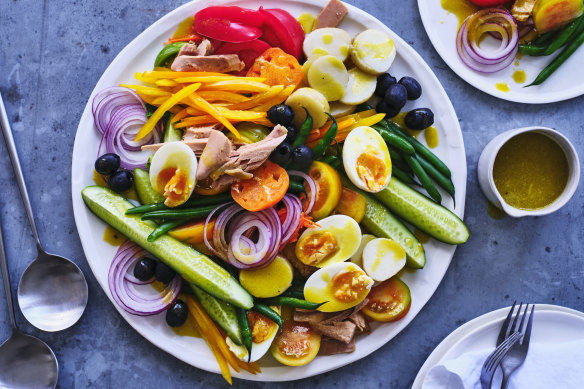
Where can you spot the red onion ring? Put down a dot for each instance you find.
(123, 290)
(293, 215)
(311, 186)
(489, 20)
(119, 113)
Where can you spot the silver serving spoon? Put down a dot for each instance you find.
(52, 292)
(25, 361)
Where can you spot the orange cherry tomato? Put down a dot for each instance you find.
(277, 67)
(265, 189)
(388, 301)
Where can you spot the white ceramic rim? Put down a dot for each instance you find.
(533, 95)
(439, 255)
(474, 326)
(573, 165)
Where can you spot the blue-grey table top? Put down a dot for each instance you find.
(51, 55)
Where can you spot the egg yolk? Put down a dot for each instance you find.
(317, 247)
(296, 343)
(372, 171)
(175, 183)
(350, 286)
(261, 327)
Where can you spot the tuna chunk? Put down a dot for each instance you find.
(188, 49)
(343, 331)
(197, 145)
(329, 346)
(200, 132)
(331, 15)
(224, 63)
(360, 321)
(215, 154)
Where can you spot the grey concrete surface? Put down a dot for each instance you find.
(51, 55)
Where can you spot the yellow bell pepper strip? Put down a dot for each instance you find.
(239, 115)
(228, 97)
(143, 78)
(167, 73)
(258, 99)
(166, 82)
(180, 115)
(146, 90)
(367, 121)
(204, 105)
(209, 79)
(317, 134)
(281, 97)
(237, 85)
(195, 111)
(157, 115)
(195, 121)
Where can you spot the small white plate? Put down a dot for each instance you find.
(566, 82)
(552, 324)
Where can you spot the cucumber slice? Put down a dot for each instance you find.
(194, 267)
(381, 223)
(418, 210)
(146, 192)
(171, 134)
(222, 313)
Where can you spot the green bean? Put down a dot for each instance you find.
(174, 214)
(532, 50)
(363, 107)
(568, 33)
(559, 60)
(544, 38)
(333, 160)
(295, 187)
(269, 313)
(439, 178)
(298, 283)
(295, 293)
(421, 149)
(168, 53)
(394, 140)
(165, 227)
(327, 139)
(424, 179)
(395, 155)
(190, 203)
(244, 329)
(402, 175)
(304, 131)
(291, 302)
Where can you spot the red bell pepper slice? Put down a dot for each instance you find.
(282, 30)
(247, 51)
(250, 17)
(226, 31)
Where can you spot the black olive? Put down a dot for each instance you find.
(419, 118)
(388, 110)
(163, 273)
(177, 313)
(383, 82)
(107, 164)
(396, 96)
(282, 154)
(121, 181)
(144, 269)
(291, 135)
(412, 86)
(302, 157)
(281, 114)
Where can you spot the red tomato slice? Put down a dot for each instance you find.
(247, 51)
(282, 30)
(489, 3)
(226, 30)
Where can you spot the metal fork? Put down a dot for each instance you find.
(495, 358)
(517, 354)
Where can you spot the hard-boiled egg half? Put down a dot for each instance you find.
(173, 172)
(335, 240)
(373, 51)
(383, 258)
(263, 332)
(366, 159)
(339, 286)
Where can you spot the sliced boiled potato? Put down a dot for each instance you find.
(360, 87)
(339, 109)
(327, 41)
(328, 75)
(373, 51)
(383, 258)
(313, 101)
(357, 258)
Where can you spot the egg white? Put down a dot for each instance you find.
(174, 155)
(383, 258)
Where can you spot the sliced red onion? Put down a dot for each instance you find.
(489, 20)
(293, 215)
(123, 290)
(311, 186)
(119, 113)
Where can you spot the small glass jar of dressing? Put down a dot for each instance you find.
(529, 171)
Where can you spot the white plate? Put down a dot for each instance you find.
(138, 56)
(567, 82)
(552, 324)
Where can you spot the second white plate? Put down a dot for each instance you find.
(567, 82)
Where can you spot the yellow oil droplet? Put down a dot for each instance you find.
(184, 28)
(516, 63)
(519, 76)
(519, 56)
(422, 237)
(431, 136)
(98, 179)
(326, 277)
(502, 86)
(319, 51)
(306, 20)
(495, 212)
(189, 328)
(327, 39)
(460, 8)
(113, 237)
(158, 286)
